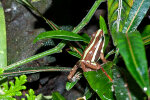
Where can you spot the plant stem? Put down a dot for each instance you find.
(60, 46)
(56, 49)
(22, 71)
(116, 56)
(87, 18)
(110, 53)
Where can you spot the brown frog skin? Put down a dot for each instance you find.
(92, 53)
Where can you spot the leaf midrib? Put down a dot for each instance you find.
(134, 17)
(133, 57)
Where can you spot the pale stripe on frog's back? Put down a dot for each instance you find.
(91, 45)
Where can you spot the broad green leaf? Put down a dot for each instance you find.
(137, 13)
(120, 87)
(57, 96)
(132, 50)
(60, 34)
(125, 15)
(146, 35)
(118, 10)
(135, 90)
(100, 83)
(125, 86)
(3, 46)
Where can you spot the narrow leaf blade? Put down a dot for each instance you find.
(146, 35)
(60, 34)
(57, 96)
(103, 25)
(137, 13)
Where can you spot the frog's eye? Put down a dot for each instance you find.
(102, 38)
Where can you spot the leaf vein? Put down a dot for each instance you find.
(134, 16)
(133, 57)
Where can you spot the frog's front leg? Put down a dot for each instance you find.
(94, 66)
(89, 66)
(73, 71)
(103, 58)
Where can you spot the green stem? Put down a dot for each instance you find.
(110, 53)
(60, 46)
(116, 56)
(88, 16)
(56, 49)
(21, 71)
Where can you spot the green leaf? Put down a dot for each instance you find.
(7, 98)
(137, 13)
(3, 45)
(146, 35)
(74, 54)
(15, 88)
(104, 28)
(100, 83)
(120, 87)
(31, 95)
(1, 71)
(118, 10)
(76, 78)
(103, 25)
(41, 97)
(125, 86)
(60, 34)
(125, 15)
(88, 93)
(69, 85)
(132, 50)
(86, 36)
(57, 96)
